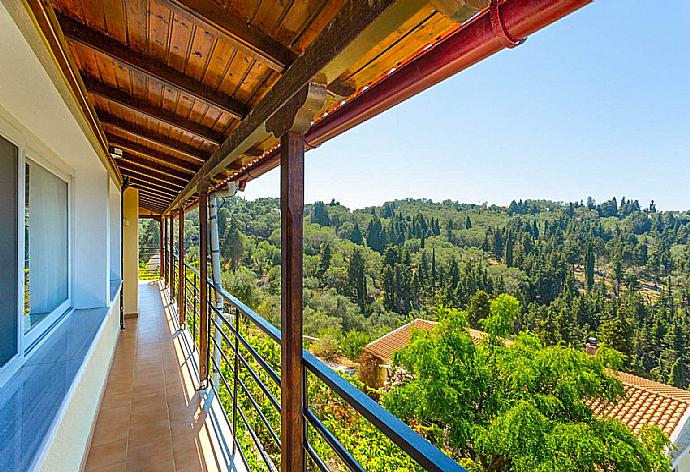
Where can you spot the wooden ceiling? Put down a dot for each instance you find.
(171, 80)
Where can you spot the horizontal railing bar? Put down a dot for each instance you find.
(258, 410)
(332, 441)
(421, 450)
(316, 458)
(234, 433)
(418, 448)
(261, 384)
(259, 445)
(267, 368)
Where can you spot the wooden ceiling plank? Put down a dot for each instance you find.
(356, 27)
(161, 188)
(170, 186)
(152, 190)
(152, 154)
(123, 99)
(155, 166)
(103, 44)
(136, 168)
(189, 153)
(145, 192)
(245, 37)
(152, 203)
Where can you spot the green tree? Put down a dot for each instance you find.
(589, 267)
(517, 406)
(319, 214)
(325, 260)
(357, 281)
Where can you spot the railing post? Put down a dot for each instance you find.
(289, 124)
(171, 258)
(203, 282)
(161, 248)
(181, 297)
(235, 377)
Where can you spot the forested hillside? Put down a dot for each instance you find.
(612, 270)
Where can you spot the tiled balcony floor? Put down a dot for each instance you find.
(151, 418)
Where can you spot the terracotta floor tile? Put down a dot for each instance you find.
(119, 467)
(151, 416)
(106, 454)
(153, 456)
(112, 424)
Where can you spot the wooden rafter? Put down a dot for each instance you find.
(173, 186)
(145, 171)
(245, 37)
(152, 155)
(147, 193)
(152, 191)
(123, 99)
(359, 25)
(152, 201)
(189, 153)
(152, 165)
(81, 34)
(150, 184)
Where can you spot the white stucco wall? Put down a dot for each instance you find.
(37, 117)
(69, 443)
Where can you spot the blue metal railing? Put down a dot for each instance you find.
(247, 381)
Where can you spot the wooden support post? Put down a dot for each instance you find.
(290, 123)
(161, 248)
(203, 284)
(181, 298)
(171, 257)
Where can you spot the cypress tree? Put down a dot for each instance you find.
(589, 267)
(356, 236)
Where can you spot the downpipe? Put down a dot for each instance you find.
(216, 273)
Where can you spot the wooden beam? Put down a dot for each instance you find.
(203, 285)
(153, 165)
(152, 195)
(151, 205)
(171, 263)
(148, 186)
(153, 211)
(170, 186)
(152, 155)
(161, 243)
(242, 35)
(151, 201)
(189, 153)
(181, 296)
(154, 191)
(95, 40)
(291, 249)
(290, 123)
(356, 27)
(134, 167)
(141, 106)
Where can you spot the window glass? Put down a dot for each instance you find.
(9, 283)
(46, 245)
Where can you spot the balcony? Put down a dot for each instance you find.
(154, 415)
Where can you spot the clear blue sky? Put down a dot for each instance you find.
(597, 104)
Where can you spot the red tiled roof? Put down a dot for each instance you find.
(647, 402)
(386, 345)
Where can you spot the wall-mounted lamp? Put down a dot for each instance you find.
(115, 152)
